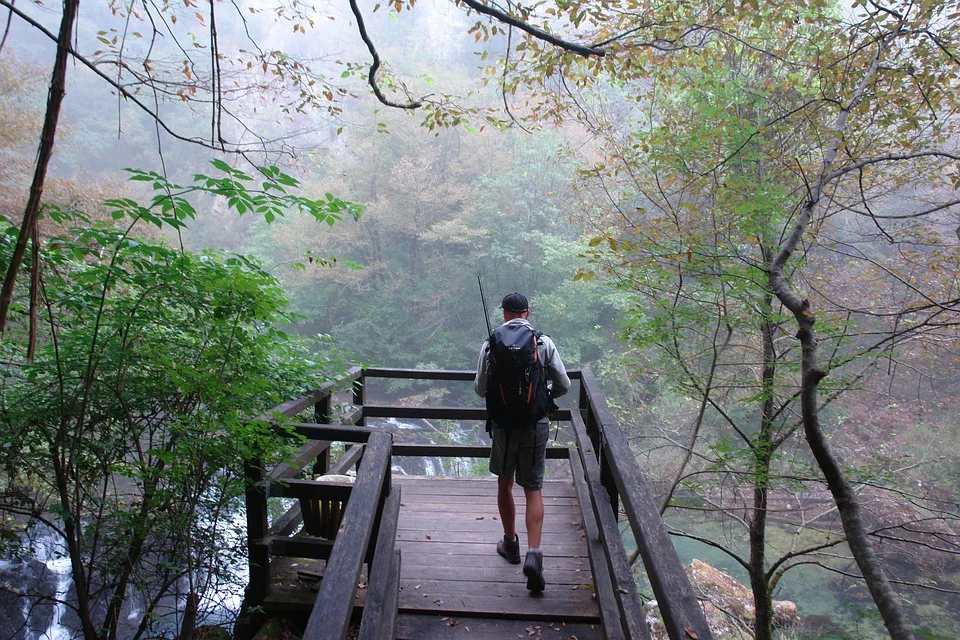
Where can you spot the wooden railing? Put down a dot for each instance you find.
(610, 464)
(605, 474)
(372, 509)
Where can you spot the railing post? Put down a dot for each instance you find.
(257, 553)
(322, 414)
(359, 386)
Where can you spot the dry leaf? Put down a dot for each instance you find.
(690, 633)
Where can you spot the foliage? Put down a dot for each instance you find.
(128, 431)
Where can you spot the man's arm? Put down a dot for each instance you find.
(480, 381)
(555, 369)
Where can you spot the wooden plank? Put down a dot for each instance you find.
(294, 488)
(305, 455)
(435, 374)
(463, 451)
(300, 546)
(256, 509)
(359, 390)
(552, 510)
(414, 626)
(296, 405)
(434, 521)
(570, 550)
(420, 374)
(605, 590)
(681, 612)
(391, 605)
(335, 432)
(490, 560)
(331, 615)
(478, 486)
(487, 496)
(376, 617)
(568, 536)
(289, 521)
(348, 459)
(520, 604)
(500, 573)
(632, 615)
(447, 413)
(511, 587)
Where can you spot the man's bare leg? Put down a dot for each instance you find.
(506, 506)
(534, 517)
(509, 547)
(533, 564)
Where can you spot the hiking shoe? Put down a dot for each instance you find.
(533, 569)
(509, 549)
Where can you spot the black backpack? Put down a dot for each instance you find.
(517, 394)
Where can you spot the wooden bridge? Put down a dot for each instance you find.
(394, 556)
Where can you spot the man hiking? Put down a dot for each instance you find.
(519, 373)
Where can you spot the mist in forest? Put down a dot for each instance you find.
(640, 211)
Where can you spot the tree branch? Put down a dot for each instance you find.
(372, 75)
(539, 34)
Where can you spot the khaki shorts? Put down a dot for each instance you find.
(520, 452)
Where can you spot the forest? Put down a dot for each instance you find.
(744, 218)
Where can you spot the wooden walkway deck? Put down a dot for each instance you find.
(415, 557)
(447, 532)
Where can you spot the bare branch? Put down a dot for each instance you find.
(372, 75)
(539, 34)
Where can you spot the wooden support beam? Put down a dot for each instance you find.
(334, 432)
(330, 617)
(380, 606)
(307, 454)
(310, 489)
(439, 413)
(420, 374)
(462, 451)
(679, 607)
(434, 374)
(300, 546)
(632, 615)
(293, 407)
(288, 522)
(257, 554)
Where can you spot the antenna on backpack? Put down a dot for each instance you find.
(483, 299)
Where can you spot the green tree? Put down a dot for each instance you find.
(127, 433)
(742, 176)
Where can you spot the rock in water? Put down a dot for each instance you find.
(728, 605)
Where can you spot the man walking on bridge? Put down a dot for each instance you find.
(519, 373)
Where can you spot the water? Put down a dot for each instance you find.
(50, 549)
(831, 606)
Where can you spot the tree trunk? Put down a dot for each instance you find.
(58, 83)
(811, 374)
(73, 532)
(34, 292)
(847, 504)
(763, 454)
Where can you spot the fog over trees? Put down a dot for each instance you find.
(744, 218)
